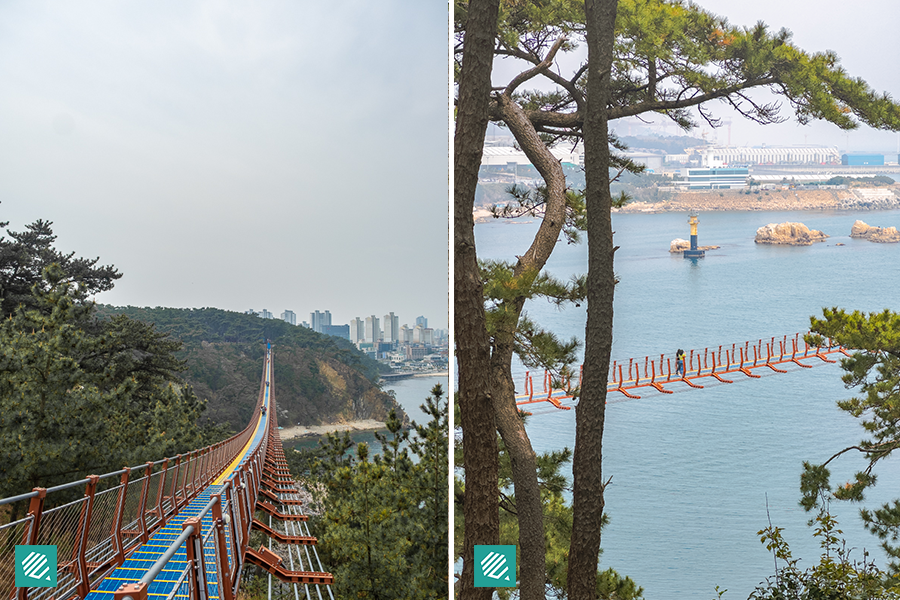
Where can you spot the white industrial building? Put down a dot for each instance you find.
(772, 155)
(504, 156)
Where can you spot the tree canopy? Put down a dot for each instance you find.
(670, 56)
(385, 516)
(79, 397)
(78, 394)
(25, 255)
(874, 369)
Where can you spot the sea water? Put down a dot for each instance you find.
(695, 474)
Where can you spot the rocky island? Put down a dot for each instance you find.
(874, 234)
(788, 234)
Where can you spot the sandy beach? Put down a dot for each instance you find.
(298, 431)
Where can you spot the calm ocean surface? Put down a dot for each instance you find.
(697, 473)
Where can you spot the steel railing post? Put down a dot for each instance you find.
(231, 521)
(160, 509)
(84, 583)
(193, 545)
(197, 478)
(118, 542)
(185, 480)
(224, 569)
(142, 505)
(35, 509)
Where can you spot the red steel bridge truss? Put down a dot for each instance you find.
(175, 528)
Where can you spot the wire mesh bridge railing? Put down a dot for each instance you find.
(175, 528)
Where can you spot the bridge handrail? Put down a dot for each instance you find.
(194, 572)
(94, 533)
(766, 352)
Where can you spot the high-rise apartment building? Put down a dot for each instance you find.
(373, 329)
(422, 321)
(391, 328)
(289, 317)
(357, 330)
(266, 314)
(405, 335)
(318, 320)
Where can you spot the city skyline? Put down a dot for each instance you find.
(290, 316)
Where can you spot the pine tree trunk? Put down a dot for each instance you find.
(586, 464)
(529, 509)
(480, 452)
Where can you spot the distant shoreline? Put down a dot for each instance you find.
(856, 199)
(769, 200)
(301, 431)
(435, 374)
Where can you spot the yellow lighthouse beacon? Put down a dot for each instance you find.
(694, 252)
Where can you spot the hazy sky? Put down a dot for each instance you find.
(237, 155)
(863, 34)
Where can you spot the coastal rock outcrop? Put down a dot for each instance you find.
(680, 245)
(874, 234)
(788, 234)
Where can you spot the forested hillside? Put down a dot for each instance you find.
(318, 378)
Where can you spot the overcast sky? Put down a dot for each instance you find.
(277, 155)
(863, 34)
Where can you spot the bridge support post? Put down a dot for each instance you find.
(224, 568)
(245, 509)
(173, 489)
(196, 564)
(161, 494)
(237, 539)
(118, 542)
(87, 511)
(142, 507)
(35, 509)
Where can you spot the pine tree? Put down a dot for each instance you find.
(80, 397)
(385, 521)
(874, 368)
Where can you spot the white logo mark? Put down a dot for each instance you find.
(35, 566)
(491, 566)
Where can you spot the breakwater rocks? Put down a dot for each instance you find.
(680, 245)
(883, 198)
(788, 234)
(874, 234)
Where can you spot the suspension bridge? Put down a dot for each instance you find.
(178, 527)
(715, 365)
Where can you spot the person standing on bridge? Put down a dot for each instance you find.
(679, 363)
